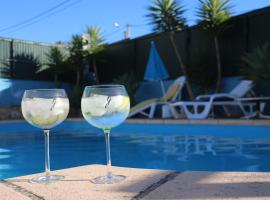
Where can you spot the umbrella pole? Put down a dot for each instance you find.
(163, 91)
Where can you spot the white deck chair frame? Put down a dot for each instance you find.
(204, 104)
(152, 106)
(239, 91)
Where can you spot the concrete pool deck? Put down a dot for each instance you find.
(141, 184)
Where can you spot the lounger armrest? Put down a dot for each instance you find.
(201, 97)
(222, 95)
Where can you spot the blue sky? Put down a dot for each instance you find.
(74, 15)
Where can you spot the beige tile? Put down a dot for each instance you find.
(77, 185)
(9, 193)
(145, 184)
(214, 186)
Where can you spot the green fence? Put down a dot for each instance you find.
(22, 59)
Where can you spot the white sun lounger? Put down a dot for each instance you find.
(232, 98)
(201, 108)
(148, 107)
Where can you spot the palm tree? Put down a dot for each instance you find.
(212, 16)
(95, 44)
(76, 57)
(57, 62)
(167, 16)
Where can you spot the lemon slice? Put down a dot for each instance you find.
(41, 121)
(125, 104)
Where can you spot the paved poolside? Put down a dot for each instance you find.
(141, 184)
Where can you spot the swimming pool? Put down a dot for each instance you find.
(176, 147)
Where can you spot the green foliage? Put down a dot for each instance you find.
(257, 65)
(166, 15)
(95, 42)
(213, 14)
(57, 60)
(76, 58)
(77, 54)
(131, 83)
(57, 63)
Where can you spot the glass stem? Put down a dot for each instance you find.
(47, 152)
(108, 151)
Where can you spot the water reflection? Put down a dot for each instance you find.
(202, 145)
(208, 152)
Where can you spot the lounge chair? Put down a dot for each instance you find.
(232, 98)
(148, 107)
(201, 108)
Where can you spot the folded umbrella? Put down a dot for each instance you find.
(155, 68)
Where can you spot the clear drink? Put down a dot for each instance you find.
(45, 113)
(105, 111)
(106, 106)
(45, 108)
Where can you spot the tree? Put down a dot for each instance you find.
(76, 57)
(167, 16)
(212, 16)
(95, 44)
(57, 62)
(76, 62)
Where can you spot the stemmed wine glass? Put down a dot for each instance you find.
(105, 107)
(45, 108)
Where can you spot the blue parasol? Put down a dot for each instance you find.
(155, 69)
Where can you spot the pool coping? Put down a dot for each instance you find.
(251, 122)
(141, 184)
(20, 186)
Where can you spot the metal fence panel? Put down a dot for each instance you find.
(4, 57)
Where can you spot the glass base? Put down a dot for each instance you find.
(108, 179)
(47, 179)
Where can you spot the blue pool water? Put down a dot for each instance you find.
(176, 147)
